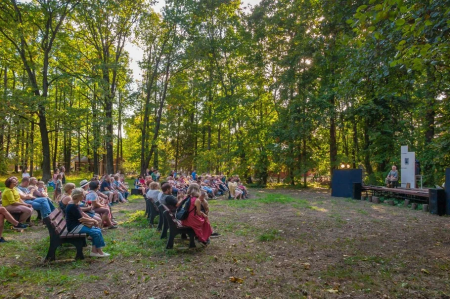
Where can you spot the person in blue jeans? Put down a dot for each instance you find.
(42, 204)
(78, 224)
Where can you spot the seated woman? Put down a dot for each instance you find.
(77, 223)
(66, 196)
(392, 177)
(99, 207)
(153, 191)
(138, 185)
(197, 219)
(13, 203)
(4, 214)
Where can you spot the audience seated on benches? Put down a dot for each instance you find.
(77, 223)
(13, 203)
(42, 204)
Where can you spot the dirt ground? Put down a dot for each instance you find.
(278, 244)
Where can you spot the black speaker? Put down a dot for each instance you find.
(447, 189)
(342, 182)
(437, 201)
(357, 189)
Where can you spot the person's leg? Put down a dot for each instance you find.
(97, 238)
(6, 215)
(25, 212)
(50, 204)
(40, 204)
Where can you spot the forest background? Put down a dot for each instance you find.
(286, 86)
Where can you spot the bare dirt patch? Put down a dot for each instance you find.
(280, 244)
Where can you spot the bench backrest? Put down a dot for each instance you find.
(57, 221)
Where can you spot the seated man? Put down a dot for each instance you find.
(168, 199)
(42, 204)
(392, 177)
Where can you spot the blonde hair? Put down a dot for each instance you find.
(154, 186)
(68, 187)
(193, 190)
(77, 192)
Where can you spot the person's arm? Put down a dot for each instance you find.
(198, 207)
(24, 196)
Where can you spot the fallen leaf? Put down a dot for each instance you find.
(19, 294)
(424, 271)
(333, 291)
(236, 279)
(307, 266)
(106, 292)
(132, 273)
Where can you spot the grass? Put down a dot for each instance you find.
(266, 241)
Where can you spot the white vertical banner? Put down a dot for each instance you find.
(408, 167)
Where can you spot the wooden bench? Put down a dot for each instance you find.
(151, 210)
(135, 191)
(176, 228)
(59, 235)
(17, 216)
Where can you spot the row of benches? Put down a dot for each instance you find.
(167, 222)
(56, 225)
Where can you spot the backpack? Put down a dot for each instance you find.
(182, 212)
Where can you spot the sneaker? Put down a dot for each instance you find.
(94, 254)
(215, 235)
(2, 240)
(20, 226)
(113, 227)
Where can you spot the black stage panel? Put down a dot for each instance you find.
(447, 190)
(342, 182)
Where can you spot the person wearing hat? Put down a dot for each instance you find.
(79, 224)
(84, 184)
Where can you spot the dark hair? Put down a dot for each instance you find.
(25, 179)
(165, 187)
(8, 182)
(93, 185)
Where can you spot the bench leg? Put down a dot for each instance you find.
(161, 222)
(79, 255)
(183, 236)
(191, 241)
(51, 254)
(152, 219)
(164, 228)
(170, 240)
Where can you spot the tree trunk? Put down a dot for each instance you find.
(333, 144)
(355, 142)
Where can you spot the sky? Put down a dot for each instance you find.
(136, 54)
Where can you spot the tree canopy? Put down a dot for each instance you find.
(289, 87)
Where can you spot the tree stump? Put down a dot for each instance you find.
(406, 203)
(425, 208)
(375, 199)
(369, 198)
(390, 202)
(414, 206)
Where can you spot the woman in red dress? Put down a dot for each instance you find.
(197, 219)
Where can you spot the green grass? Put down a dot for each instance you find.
(269, 235)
